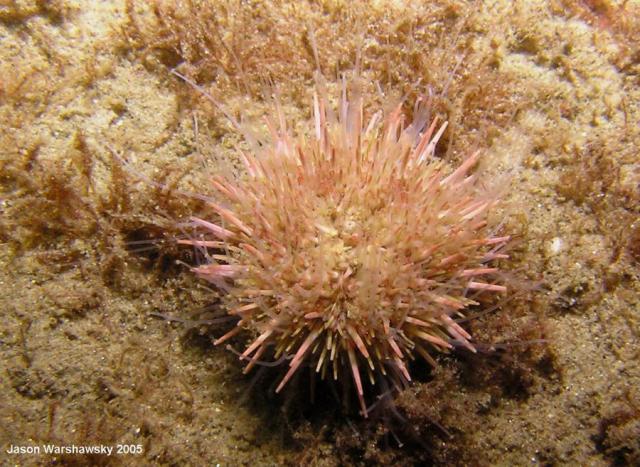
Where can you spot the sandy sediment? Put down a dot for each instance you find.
(548, 90)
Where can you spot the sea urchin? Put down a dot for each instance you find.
(354, 250)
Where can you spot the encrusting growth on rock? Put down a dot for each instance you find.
(352, 251)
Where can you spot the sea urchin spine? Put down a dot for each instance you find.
(354, 250)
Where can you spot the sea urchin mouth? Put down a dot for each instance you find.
(354, 250)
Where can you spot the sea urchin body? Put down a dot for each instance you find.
(352, 251)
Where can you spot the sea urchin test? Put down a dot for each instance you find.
(352, 251)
